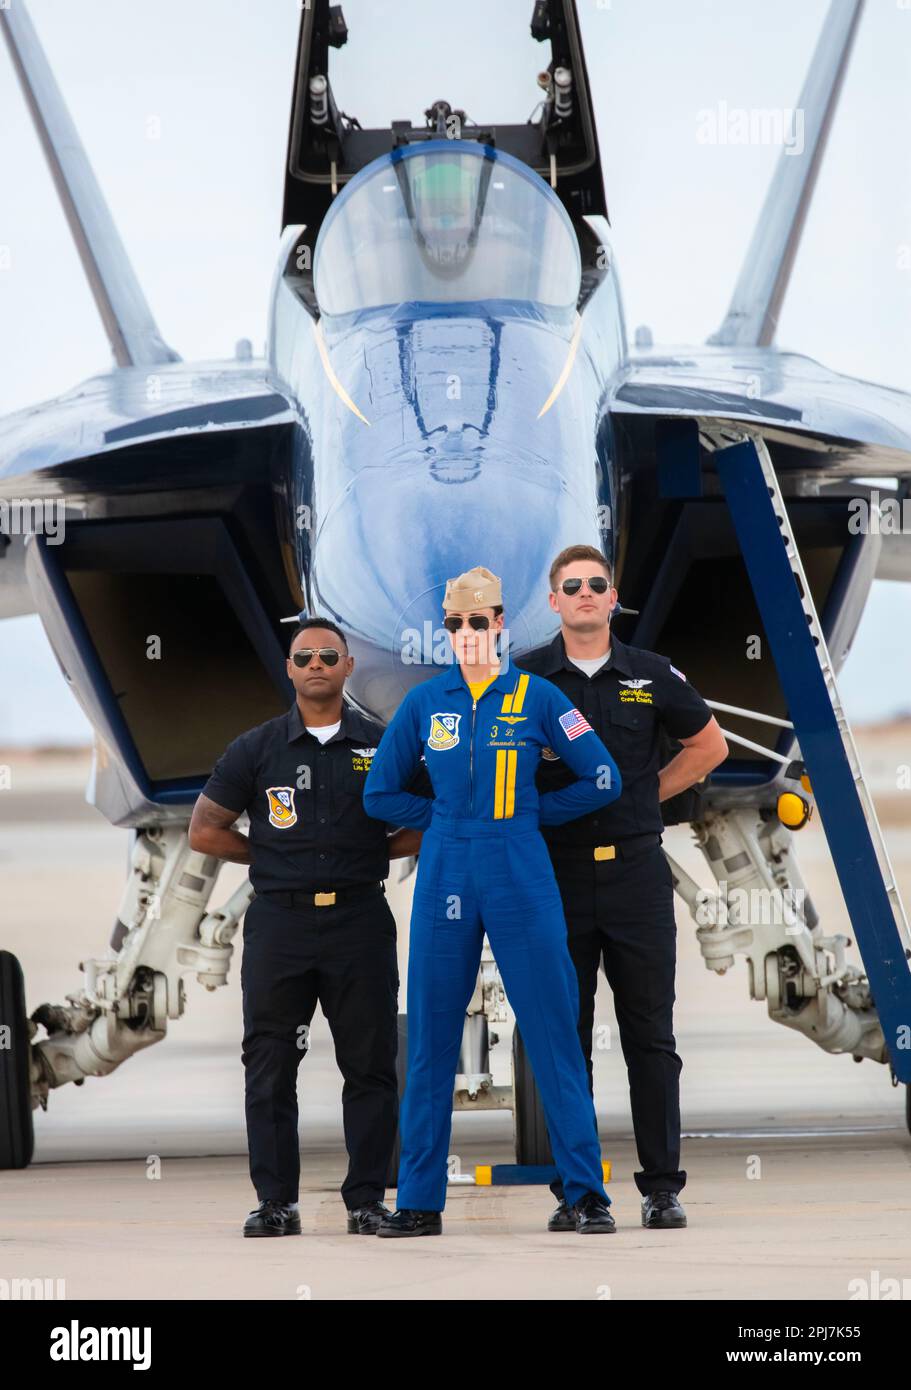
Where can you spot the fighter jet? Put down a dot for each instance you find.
(448, 380)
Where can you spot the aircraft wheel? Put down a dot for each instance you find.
(531, 1138)
(401, 1072)
(17, 1135)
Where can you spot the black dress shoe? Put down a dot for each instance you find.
(593, 1215)
(408, 1222)
(661, 1211)
(364, 1221)
(273, 1218)
(563, 1219)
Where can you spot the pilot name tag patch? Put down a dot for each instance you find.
(635, 693)
(444, 731)
(281, 807)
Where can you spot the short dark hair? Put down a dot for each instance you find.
(306, 623)
(578, 552)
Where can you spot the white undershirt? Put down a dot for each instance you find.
(323, 731)
(589, 664)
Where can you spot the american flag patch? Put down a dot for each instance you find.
(573, 724)
(678, 673)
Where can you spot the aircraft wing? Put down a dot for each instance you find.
(117, 409)
(851, 428)
(187, 427)
(833, 434)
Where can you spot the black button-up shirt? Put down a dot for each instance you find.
(308, 827)
(633, 703)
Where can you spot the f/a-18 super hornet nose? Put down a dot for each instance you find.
(447, 277)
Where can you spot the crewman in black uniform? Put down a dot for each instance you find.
(319, 927)
(615, 882)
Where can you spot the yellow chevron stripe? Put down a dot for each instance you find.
(512, 760)
(500, 784)
(519, 694)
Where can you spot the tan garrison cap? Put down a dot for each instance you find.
(476, 588)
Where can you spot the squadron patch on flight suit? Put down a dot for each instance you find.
(281, 807)
(444, 731)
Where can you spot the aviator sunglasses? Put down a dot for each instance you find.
(304, 655)
(598, 584)
(477, 621)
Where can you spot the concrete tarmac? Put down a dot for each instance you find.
(799, 1162)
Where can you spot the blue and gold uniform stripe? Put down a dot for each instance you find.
(512, 703)
(504, 795)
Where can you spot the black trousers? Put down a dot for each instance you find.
(343, 956)
(621, 911)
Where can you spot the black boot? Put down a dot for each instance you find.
(661, 1211)
(273, 1218)
(563, 1218)
(364, 1221)
(407, 1222)
(593, 1215)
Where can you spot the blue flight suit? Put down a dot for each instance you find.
(484, 866)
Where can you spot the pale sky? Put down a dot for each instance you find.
(183, 109)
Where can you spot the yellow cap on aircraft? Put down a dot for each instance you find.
(793, 811)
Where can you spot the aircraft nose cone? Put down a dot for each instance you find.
(386, 548)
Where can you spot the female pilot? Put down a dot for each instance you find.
(484, 866)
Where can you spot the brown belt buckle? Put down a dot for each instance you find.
(605, 852)
(324, 899)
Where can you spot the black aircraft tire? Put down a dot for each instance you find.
(17, 1134)
(531, 1138)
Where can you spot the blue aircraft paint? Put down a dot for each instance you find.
(455, 447)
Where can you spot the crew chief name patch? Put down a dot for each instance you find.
(573, 723)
